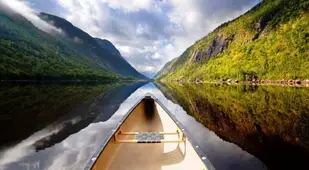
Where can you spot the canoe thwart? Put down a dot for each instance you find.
(136, 133)
(160, 141)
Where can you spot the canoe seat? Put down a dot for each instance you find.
(148, 137)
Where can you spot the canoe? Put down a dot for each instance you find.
(149, 138)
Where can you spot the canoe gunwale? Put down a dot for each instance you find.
(200, 153)
(102, 146)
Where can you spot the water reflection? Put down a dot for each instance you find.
(26, 109)
(231, 129)
(59, 110)
(270, 122)
(100, 109)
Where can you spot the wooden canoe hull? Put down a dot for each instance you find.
(165, 147)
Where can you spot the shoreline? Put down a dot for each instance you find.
(285, 83)
(67, 81)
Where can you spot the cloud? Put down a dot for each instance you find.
(148, 33)
(77, 40)
(23, 8)
(133, 5)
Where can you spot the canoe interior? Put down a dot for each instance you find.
(148, 116)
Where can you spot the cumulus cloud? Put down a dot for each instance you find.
(23, 8)
(133, 5)
(148, 33)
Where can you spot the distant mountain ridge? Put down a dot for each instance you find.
(28, 53)
(107, 45)
(101, 51)
(269, 42)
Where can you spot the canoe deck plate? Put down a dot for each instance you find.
(149, 137)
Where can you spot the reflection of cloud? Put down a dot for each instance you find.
(22, 8)
(24, 148)
(81, 146)
(78, 148)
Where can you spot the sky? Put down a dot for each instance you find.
(148, 33)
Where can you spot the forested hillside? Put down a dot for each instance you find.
(271, 41)
(28, 53)
(100, 51)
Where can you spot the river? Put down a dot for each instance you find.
(60, 126)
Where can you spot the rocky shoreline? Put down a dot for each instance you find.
(253, 82)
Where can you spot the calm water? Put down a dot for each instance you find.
(238, 127)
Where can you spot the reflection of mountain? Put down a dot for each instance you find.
(113, 100)
(100, 109)
(26, 109)
(271, 123)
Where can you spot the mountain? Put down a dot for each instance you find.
(168, 67)
(108, 46)
(100, 51)
(270, 41)
(26, 53)
(65, 53)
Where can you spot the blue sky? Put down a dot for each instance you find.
(148, 33)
